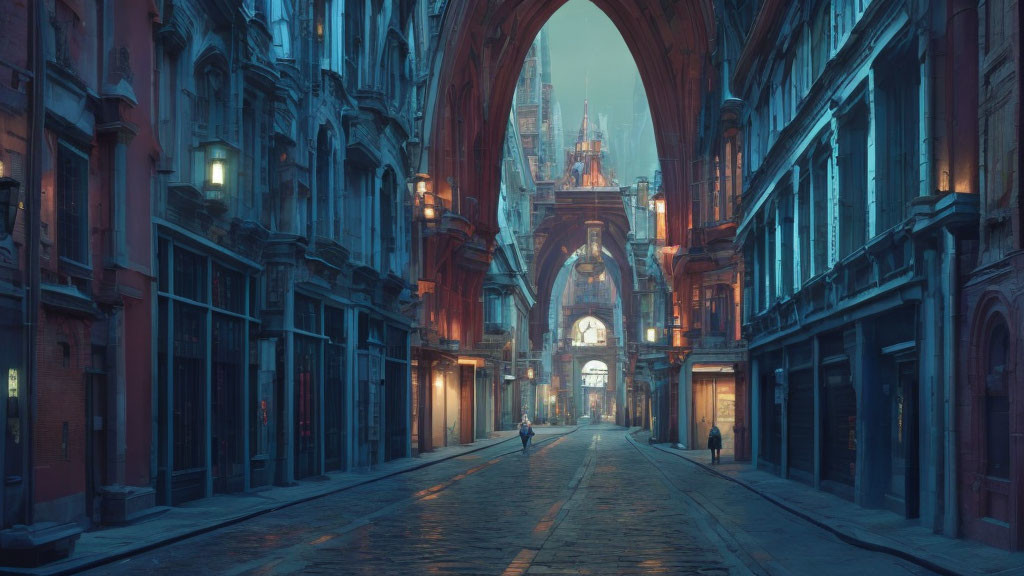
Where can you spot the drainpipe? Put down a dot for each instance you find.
(924, 50)
(37, 21)
(951, 330)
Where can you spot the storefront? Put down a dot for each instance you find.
(207, 326)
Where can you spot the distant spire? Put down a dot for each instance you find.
(584, 127)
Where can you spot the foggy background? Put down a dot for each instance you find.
(584, 43)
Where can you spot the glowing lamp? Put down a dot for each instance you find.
(551, 399)
(319, 29)
(217, 172)
(529, 372)
(652, 334)
(12, 383)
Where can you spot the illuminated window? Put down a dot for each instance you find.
(589, 331)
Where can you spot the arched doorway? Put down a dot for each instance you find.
(594, 382)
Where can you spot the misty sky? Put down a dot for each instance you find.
(584, 44)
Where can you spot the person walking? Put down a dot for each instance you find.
(525, 434)
(715, 444)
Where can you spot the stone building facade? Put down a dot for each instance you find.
(989, 418)
(860, 208)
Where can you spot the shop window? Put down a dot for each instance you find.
(997, 404)
(228, 289)
(189, 275)
(72, 204)
(189, 387)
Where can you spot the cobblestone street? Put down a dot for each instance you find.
(589, 502)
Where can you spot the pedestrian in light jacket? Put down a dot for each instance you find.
(525, 433)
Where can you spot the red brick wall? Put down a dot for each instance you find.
(138, 392)
(60, 398)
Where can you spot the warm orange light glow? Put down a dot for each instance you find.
(529, 372)
(429, 213)
(660, 203)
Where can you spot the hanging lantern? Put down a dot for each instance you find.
(591, 262)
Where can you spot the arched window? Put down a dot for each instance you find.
(589, 331)
(594, 374)
(997, 403)
(212, 93)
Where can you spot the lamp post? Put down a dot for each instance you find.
(420, 186)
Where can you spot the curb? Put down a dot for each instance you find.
(842, 535)
(133, 551)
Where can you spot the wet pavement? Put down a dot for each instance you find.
(590, 502)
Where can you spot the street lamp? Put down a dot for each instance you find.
(422, 191)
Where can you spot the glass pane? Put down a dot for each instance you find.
(189, 386)
(189, 275)
(307, 314)
(227, 289)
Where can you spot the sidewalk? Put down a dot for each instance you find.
(873, 529)
(107, 544)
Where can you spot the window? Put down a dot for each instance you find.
(589, 331)
(389, 220)
(307, 314)
(771, 268)
(897, 162)
(819, 201)
(997, 404)
(820, 42)
(228, 289)
(695, 315)
(280, 17)
(719, 310)
(248, 181)
(210, 114)
(358, 185)
(786, 244)
(72, 204)
(189, 275)
(853, 179)
(493, 316)
(804, 221)
(323, 183)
